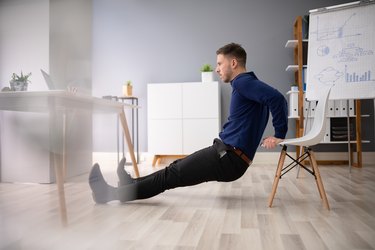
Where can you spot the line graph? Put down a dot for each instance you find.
(335, 32)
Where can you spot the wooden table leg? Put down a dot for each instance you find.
(155, 160)
(58, 152)
(59, 171)
(128, 141)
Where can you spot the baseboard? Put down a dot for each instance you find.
(368, 158)
(113, 157)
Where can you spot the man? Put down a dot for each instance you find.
(229, 157)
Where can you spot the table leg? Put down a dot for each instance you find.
(58, 152)
(137, 137)
(128, 141)
(60, 187)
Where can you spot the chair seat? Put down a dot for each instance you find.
(305, 141)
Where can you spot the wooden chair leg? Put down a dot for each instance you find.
(277, 176)
(313, 169)
(314, 166)
(318, 179)
(155, 160)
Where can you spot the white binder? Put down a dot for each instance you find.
(351, 107)
(312, 108)
(337, 108)
(331, 108)
(293, 103)
(344, 108)
(327, 135)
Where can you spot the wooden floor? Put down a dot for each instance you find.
(208, 216)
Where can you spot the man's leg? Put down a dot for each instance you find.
(196, 168)
(202, 166)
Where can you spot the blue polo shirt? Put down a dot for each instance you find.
(251, 102)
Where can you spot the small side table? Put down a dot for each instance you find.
(134, 127)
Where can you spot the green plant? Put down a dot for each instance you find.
(21, 78)
(129, 83)
(207, 68)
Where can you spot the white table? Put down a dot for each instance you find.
(57, 104)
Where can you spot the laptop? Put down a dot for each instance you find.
(48, 80)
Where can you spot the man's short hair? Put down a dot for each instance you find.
(233, 50)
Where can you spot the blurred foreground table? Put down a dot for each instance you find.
(58, 103)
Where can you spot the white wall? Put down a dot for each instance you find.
(23, 25)
(55, 36)
(168, 41)
(70, 43)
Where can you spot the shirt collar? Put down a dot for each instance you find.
(251, 73)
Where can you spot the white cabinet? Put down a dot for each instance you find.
(199, 133)
(164, 101)
(165, 136)
(182, 117)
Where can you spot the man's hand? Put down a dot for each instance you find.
(271, 142)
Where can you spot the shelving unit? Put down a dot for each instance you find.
(293, 68)
(293, 43)
(299, 116)
(297, 68)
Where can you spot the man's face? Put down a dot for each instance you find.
(224, 68)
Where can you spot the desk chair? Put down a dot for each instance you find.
(313, 137)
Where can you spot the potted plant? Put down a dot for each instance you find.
(19, 82)
(127, 89)
(207, 73)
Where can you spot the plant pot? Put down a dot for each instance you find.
(127, 90)
(207, 76)
(18, 86)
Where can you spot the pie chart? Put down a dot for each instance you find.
(323, 50)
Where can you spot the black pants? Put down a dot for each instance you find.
(201, 166)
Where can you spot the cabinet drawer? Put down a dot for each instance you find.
(200, 100)
(199, 133)
(164, 137)
(164, 101)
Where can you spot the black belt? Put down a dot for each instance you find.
(222, 148)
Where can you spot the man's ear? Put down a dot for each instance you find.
(234, 63)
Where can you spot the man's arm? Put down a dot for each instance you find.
(279, 110)
(263, 93)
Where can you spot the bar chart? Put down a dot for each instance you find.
(364, 76)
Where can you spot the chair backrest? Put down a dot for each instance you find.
(316, 134)
(319, 124)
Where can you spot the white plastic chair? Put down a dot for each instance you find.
(313, 137)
